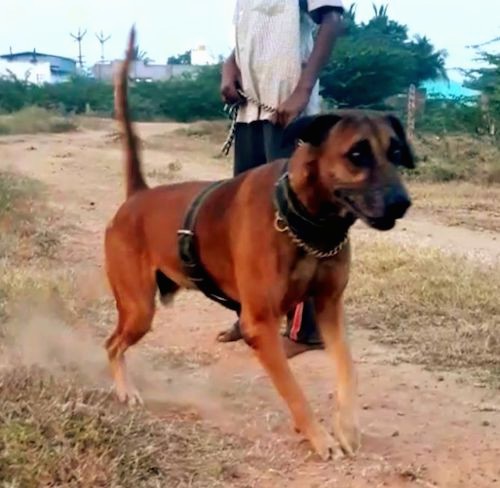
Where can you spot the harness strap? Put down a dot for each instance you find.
(189, 253)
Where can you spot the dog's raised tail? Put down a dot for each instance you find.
(134, 179)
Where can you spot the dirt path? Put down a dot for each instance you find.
(420, 428)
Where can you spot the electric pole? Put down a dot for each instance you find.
(78, 38)
(102, 40)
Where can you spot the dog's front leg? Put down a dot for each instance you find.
(330, 318)
(263, 336)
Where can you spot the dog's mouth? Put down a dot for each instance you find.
(382, 223)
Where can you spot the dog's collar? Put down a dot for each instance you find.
(321, 236)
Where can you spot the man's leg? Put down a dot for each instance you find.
(248, 153)
(248, 147)
(301, 332)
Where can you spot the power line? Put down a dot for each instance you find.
(477, 46)
(78, 38)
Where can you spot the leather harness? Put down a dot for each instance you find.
(321, 236)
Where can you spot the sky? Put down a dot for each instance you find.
(170, 27)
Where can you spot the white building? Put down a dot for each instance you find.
(201, 57)
(36, 67)
(38, 73)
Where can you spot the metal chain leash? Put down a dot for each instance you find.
(233, 110)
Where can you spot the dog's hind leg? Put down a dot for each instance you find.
(263, 336)
(134, 320)
(134, 289)
(330, 319)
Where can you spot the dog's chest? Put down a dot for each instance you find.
(309, 273)
(304, 271)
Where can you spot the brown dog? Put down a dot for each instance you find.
(267, 240)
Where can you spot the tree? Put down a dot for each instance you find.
(180, 58)
(487, 80)
(139, 55)
(378, 59)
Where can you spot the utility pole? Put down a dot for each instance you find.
(78, 38)
(411, 111)
(102, 40)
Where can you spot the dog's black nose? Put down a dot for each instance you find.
(397, 202)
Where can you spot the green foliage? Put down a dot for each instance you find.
(487, 80)
(449, 117)
(189, 97)
(186, 98)
(140, 55)
(376, 60)
(72, 96)
(180, 59)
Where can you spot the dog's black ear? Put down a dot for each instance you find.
(310, 129)
(407, 157)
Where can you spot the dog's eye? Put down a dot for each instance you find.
(395, 154)
(361, 155)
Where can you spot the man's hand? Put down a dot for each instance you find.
(231, 81)
(330, 28)
(292, 107)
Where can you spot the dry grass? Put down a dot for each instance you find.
(34, 120)
(213, 131)
(457, 158)
(171, 172)
(53, 433)
(93, 123)
(54, 429)
(464, 204)
(28, 243)
(441, 310)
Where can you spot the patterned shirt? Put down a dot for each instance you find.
(274, 39)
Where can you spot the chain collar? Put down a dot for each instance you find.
(281, 226)
(321, 237)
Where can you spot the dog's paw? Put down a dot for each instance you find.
(323, 443)
(347, 433)
(130, 397)
(135, 399)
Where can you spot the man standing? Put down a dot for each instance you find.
(277, 62)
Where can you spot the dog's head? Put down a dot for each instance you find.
(353, 161)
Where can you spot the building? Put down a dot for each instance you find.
(201, 57)
(141, 71)
(448, 90)
(36, 67)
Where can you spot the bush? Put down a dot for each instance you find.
(187, 98)
(457, 157)
(450, 117)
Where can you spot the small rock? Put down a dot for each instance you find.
(366, 407)
(485, 423)
(395, 433)
(440, 378)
